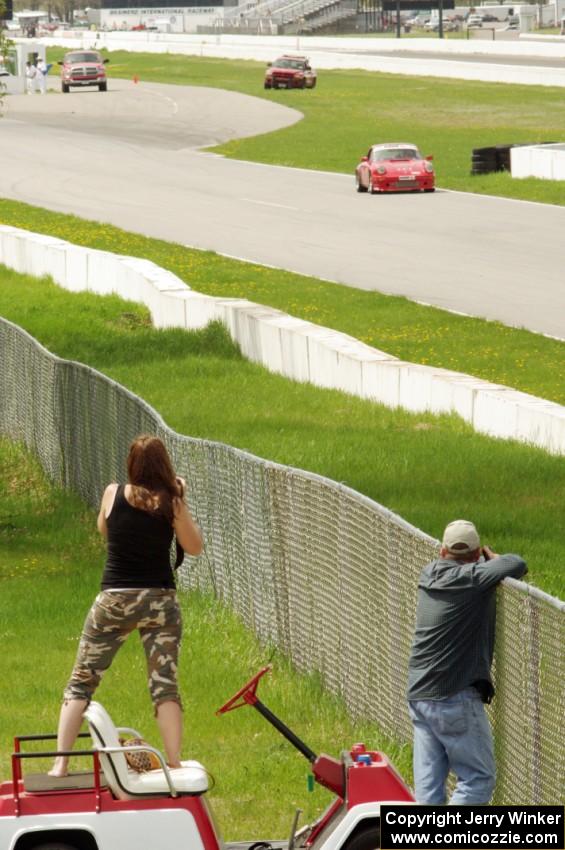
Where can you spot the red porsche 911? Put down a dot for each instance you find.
(396, 167)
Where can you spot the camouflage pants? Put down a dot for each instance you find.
(156, 614)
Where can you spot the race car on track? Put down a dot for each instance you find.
(395, 167)
(83, 68)
(290, 72)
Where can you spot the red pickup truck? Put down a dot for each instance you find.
(83, 68)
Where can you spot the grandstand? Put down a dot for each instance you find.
(286, 17)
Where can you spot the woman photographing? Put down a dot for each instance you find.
(138, 520)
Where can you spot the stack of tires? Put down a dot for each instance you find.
(494, 158)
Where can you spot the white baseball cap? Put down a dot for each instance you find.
(461, 537)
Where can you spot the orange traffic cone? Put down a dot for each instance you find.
(135, 78)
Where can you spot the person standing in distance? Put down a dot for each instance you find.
(137, 592)
(41, 75)
(449, 668)
(31, 73)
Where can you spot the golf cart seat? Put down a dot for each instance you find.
(126, 783)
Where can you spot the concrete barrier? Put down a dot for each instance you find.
(289, 346)
(545, 161)
(349, 53)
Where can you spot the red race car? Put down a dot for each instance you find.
(290, 72)
(395, 167)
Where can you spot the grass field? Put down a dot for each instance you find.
(427, 469)
(349, 110)
(50, 565)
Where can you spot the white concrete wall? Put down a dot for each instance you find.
(328, 52)
(24, 49)
(545, 161)
(292, 347)
(253, 45)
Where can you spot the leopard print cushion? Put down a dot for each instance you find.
(141, 762)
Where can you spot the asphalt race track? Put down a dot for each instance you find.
(129, 157)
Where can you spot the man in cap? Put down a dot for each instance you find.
(449, 669)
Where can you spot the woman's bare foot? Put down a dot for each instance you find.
(60, 768)
(70, 721)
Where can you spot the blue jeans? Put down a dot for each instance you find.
(453, 734)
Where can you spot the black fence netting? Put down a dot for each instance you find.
(313, 567)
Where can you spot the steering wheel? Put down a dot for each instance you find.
(246, 695)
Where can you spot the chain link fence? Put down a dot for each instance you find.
(320, 571)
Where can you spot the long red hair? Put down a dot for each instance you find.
(151, 474)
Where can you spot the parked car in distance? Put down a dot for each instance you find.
(474, 21)
(418, 20)
(83, 68)
(290, 72)
(447, 24)
(395, 167)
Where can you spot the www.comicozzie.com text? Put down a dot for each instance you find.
(462, 827)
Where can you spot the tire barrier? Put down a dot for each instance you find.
(483, 160)
(496, 157)
(489, 159)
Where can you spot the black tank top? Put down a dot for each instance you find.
(138, 547)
